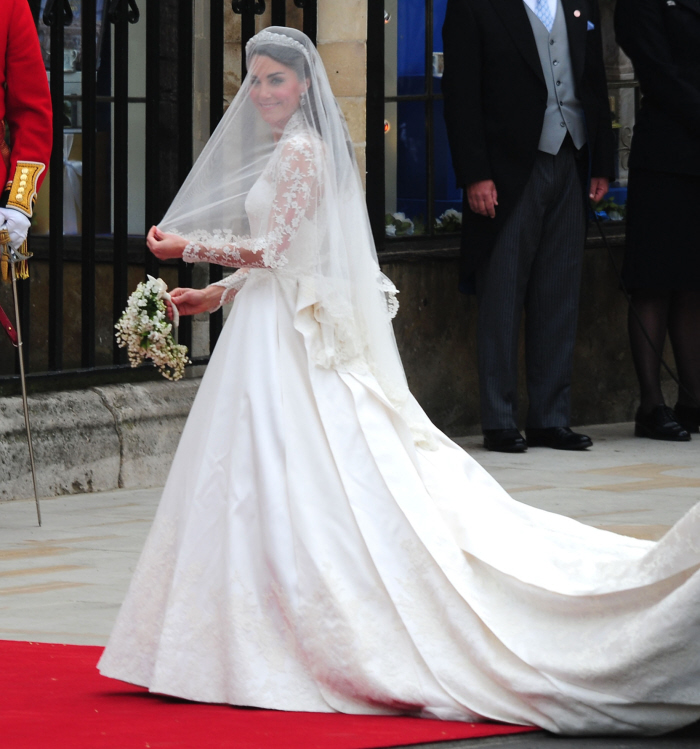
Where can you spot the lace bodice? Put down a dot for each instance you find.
(279, 206)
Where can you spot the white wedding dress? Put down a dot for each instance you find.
(308, 554)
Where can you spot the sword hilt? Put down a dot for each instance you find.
(17, 257)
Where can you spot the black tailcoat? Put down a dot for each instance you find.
(496, 96)
(662, 38)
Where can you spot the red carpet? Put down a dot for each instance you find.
(54, 698)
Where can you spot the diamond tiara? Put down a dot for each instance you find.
(273, 38)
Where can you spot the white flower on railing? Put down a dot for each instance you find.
(449, 221)
(397, 225)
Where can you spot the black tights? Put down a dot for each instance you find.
(659, 311)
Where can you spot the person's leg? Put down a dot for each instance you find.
(501, 281)
(684, 330)
(650, 309)
(499, 302)
(552, 300)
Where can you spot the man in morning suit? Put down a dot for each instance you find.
(25, 108)
(529, 126)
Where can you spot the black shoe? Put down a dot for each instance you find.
(504, 441)
(688, 417)
(559, 438)
(659, 424)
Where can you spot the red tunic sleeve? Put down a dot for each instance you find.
(27, 106)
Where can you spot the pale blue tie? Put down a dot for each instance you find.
(543, 12)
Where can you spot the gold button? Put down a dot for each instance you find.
(25, 171)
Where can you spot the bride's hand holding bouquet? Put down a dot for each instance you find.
(144, 329)
(194, 301)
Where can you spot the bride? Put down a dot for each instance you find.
(320, 545)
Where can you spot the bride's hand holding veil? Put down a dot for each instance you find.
(165, 246)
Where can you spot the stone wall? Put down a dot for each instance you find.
(342, 44)
(94, 439)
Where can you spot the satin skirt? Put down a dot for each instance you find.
(306, 555)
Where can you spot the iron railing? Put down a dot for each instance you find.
(426, 95)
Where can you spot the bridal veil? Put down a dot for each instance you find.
(340, 281)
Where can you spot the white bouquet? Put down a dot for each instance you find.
(146, 332)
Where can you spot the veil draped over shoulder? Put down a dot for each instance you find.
(313, 226)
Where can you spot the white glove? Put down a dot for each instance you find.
(17, 224)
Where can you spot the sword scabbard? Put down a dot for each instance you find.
(15, 260)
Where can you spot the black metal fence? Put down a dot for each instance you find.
(422, 95)
(67, 326)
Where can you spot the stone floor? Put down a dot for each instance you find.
(64, 582)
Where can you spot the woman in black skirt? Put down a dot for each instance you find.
(662, 261)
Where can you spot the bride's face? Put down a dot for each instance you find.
(275, 90)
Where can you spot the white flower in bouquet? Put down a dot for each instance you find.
(144, 329)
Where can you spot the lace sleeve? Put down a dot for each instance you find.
(230, 286)
(296, 192)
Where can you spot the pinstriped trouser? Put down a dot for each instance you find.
(535, 266)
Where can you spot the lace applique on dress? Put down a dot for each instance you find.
(231, 285)
(390, 291)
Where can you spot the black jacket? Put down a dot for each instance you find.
(496, 96)
(662, 38)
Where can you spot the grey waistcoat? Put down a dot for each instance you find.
(564, 111)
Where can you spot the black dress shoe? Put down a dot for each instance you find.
(688, 417)
(659, 424)
(504, 441)
(559, 438)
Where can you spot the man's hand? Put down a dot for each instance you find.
(165, 246)
(599, 188)
(194, 301)
(17, 225)
(483, 198)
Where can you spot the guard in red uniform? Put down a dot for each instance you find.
(25, 118)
